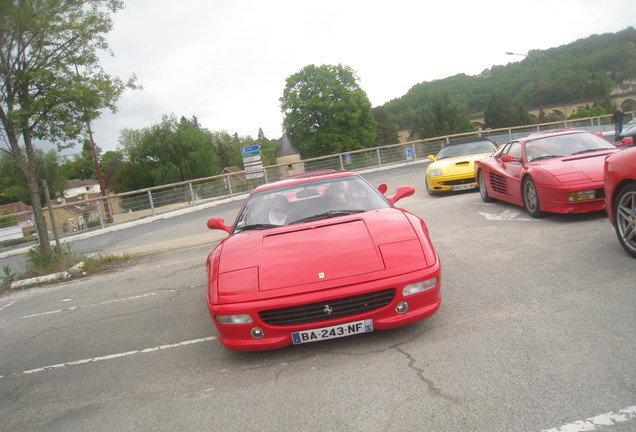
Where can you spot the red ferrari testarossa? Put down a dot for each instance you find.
(558, 172)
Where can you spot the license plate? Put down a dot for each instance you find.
(333, 332)
(464, 187)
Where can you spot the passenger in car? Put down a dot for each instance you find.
(336, 197)
(279, 210)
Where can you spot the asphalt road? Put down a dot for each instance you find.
(536, 332)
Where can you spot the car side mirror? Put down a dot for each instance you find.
(219, 223)
(402, 192)
(383, 188)
(508, 158)
(431, 157)
(625, 142)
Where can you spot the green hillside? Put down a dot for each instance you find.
(587, 69)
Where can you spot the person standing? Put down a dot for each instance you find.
(617, 119)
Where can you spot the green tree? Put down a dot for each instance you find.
(52, 82)
(82, 165)
(386, 128)
(228, 148)
(326, 112)
(130, 176)
(173, 151)
(583, 112)
(13, 182)
(501, 111)
(442, 117)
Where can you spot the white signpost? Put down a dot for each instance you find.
(252, 161)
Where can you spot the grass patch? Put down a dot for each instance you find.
(63, 259)
(19, 241)
(95, 264)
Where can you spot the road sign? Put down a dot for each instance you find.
(251, 168)
(408, 153)
(256, 174)
(251, 159)
(251, 148)
(251, 153)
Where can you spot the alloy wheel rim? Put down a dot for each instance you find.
(626, 219)
(531, 196)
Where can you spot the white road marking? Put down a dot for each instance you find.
(100, 303)
(7, 305)
(507, 215)
(607, 419)
(110, 356)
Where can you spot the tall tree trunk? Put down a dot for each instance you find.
(29, 167)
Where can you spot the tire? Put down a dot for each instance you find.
(531, 198)
(625, 218)
(428, 189)
(483, 189)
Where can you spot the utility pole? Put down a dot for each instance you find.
(102, 188)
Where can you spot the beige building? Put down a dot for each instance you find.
(288, 157)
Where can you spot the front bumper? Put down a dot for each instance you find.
(238, 337)
(448, 184)
(554, 199)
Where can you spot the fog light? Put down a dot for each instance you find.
(257, 333)
(402, 307)
(234, 319)
(419, 287)
(581, 195)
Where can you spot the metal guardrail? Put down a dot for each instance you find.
(123, 207)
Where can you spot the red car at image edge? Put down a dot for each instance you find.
(320, 256)
(620, 196)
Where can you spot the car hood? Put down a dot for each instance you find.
(457, 163)
(320, 255)
(587, 167)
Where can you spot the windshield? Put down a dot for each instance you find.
(308, 201)
(456, 150)
(564, 145)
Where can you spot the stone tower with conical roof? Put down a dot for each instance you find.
(288, 157)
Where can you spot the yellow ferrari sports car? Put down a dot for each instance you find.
(453, 167)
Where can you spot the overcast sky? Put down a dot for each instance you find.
(226, 62)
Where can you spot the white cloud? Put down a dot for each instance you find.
(226, 62)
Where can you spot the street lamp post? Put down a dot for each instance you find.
(537, 86)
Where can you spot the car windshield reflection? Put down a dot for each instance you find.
(457, 150)
(307, 202)
(564, 145)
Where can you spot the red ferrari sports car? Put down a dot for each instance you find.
(558, 172)
(620, 196)
(320, 257)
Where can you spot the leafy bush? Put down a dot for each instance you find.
(63, 258)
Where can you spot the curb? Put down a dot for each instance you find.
(47, 278)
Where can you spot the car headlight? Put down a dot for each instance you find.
(435, 172)
(234, 319)
(419, 287)
(581, 195)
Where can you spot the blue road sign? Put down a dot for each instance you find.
(250, 148)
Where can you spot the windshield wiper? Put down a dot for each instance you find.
(590, 150)
(545, 157)
(256, 227)
(326, 215)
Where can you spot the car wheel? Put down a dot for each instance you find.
(625, 218)
(531, 198)
(483, 189)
